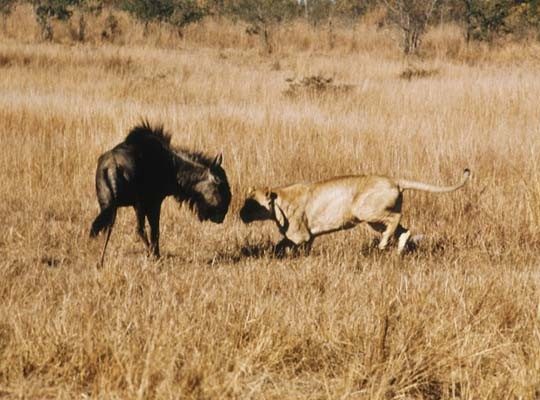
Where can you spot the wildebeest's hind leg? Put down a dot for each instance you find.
(141, 231)
(153, 214)
(109, 230)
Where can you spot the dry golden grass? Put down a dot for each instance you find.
(218, 316)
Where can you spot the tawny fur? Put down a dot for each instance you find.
(304, 211)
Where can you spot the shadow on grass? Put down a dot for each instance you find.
(244, 252)
(269, 250)
(142, 255)
(416, 245)
(53, 262)
(424, 247)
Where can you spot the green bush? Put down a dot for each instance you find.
(178, 13)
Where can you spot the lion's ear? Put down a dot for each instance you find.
(271, 195)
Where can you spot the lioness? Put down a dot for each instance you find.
(304, 211)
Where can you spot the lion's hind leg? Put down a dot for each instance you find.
(377, 227)
(391, 224)
(381, 209)
(390, 229)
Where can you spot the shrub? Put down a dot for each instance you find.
(178, 13)
(263, 15)
(315, 85)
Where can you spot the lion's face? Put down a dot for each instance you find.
(257, 206)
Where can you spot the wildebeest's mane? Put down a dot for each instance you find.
(199, 162)
(191, 199)
(144, 134)
(194, 156)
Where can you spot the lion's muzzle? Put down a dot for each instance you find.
(253, 211)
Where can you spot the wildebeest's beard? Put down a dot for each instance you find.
(196, 205)
(252, 210)
(208, 195)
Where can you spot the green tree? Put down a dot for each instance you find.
(215, 7)
(352, 9)
(5, 10)
(484, 19)
(487, 19)
(412, 17)
(532, 15)
(85, 7)
(264, 15)
(5, 6)
(178, 13)
(186, 12)
(47, 10)
(318, 11)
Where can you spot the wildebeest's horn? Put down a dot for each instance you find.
(218, 160)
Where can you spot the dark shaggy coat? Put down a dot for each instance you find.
(144, 169)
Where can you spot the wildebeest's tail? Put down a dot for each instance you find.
(104, 220)
(407, 185)
(107, 190)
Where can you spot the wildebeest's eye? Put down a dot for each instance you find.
(215, 179)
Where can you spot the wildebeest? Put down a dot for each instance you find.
(144, 169)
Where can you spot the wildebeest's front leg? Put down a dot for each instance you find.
(153, 214)
(141, 231)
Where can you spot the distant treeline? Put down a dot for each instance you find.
(481, 20)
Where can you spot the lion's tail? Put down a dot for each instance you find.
(412, 185)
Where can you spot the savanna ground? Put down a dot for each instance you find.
(218, 316)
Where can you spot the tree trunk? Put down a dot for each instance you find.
(43, 20)
(4, 17)
(406, 41)
(331, 35)
(267, 40)
(146, 29)
(47, 33)
(81, 34)
(468, 21)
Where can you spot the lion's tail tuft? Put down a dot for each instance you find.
(413, 185)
